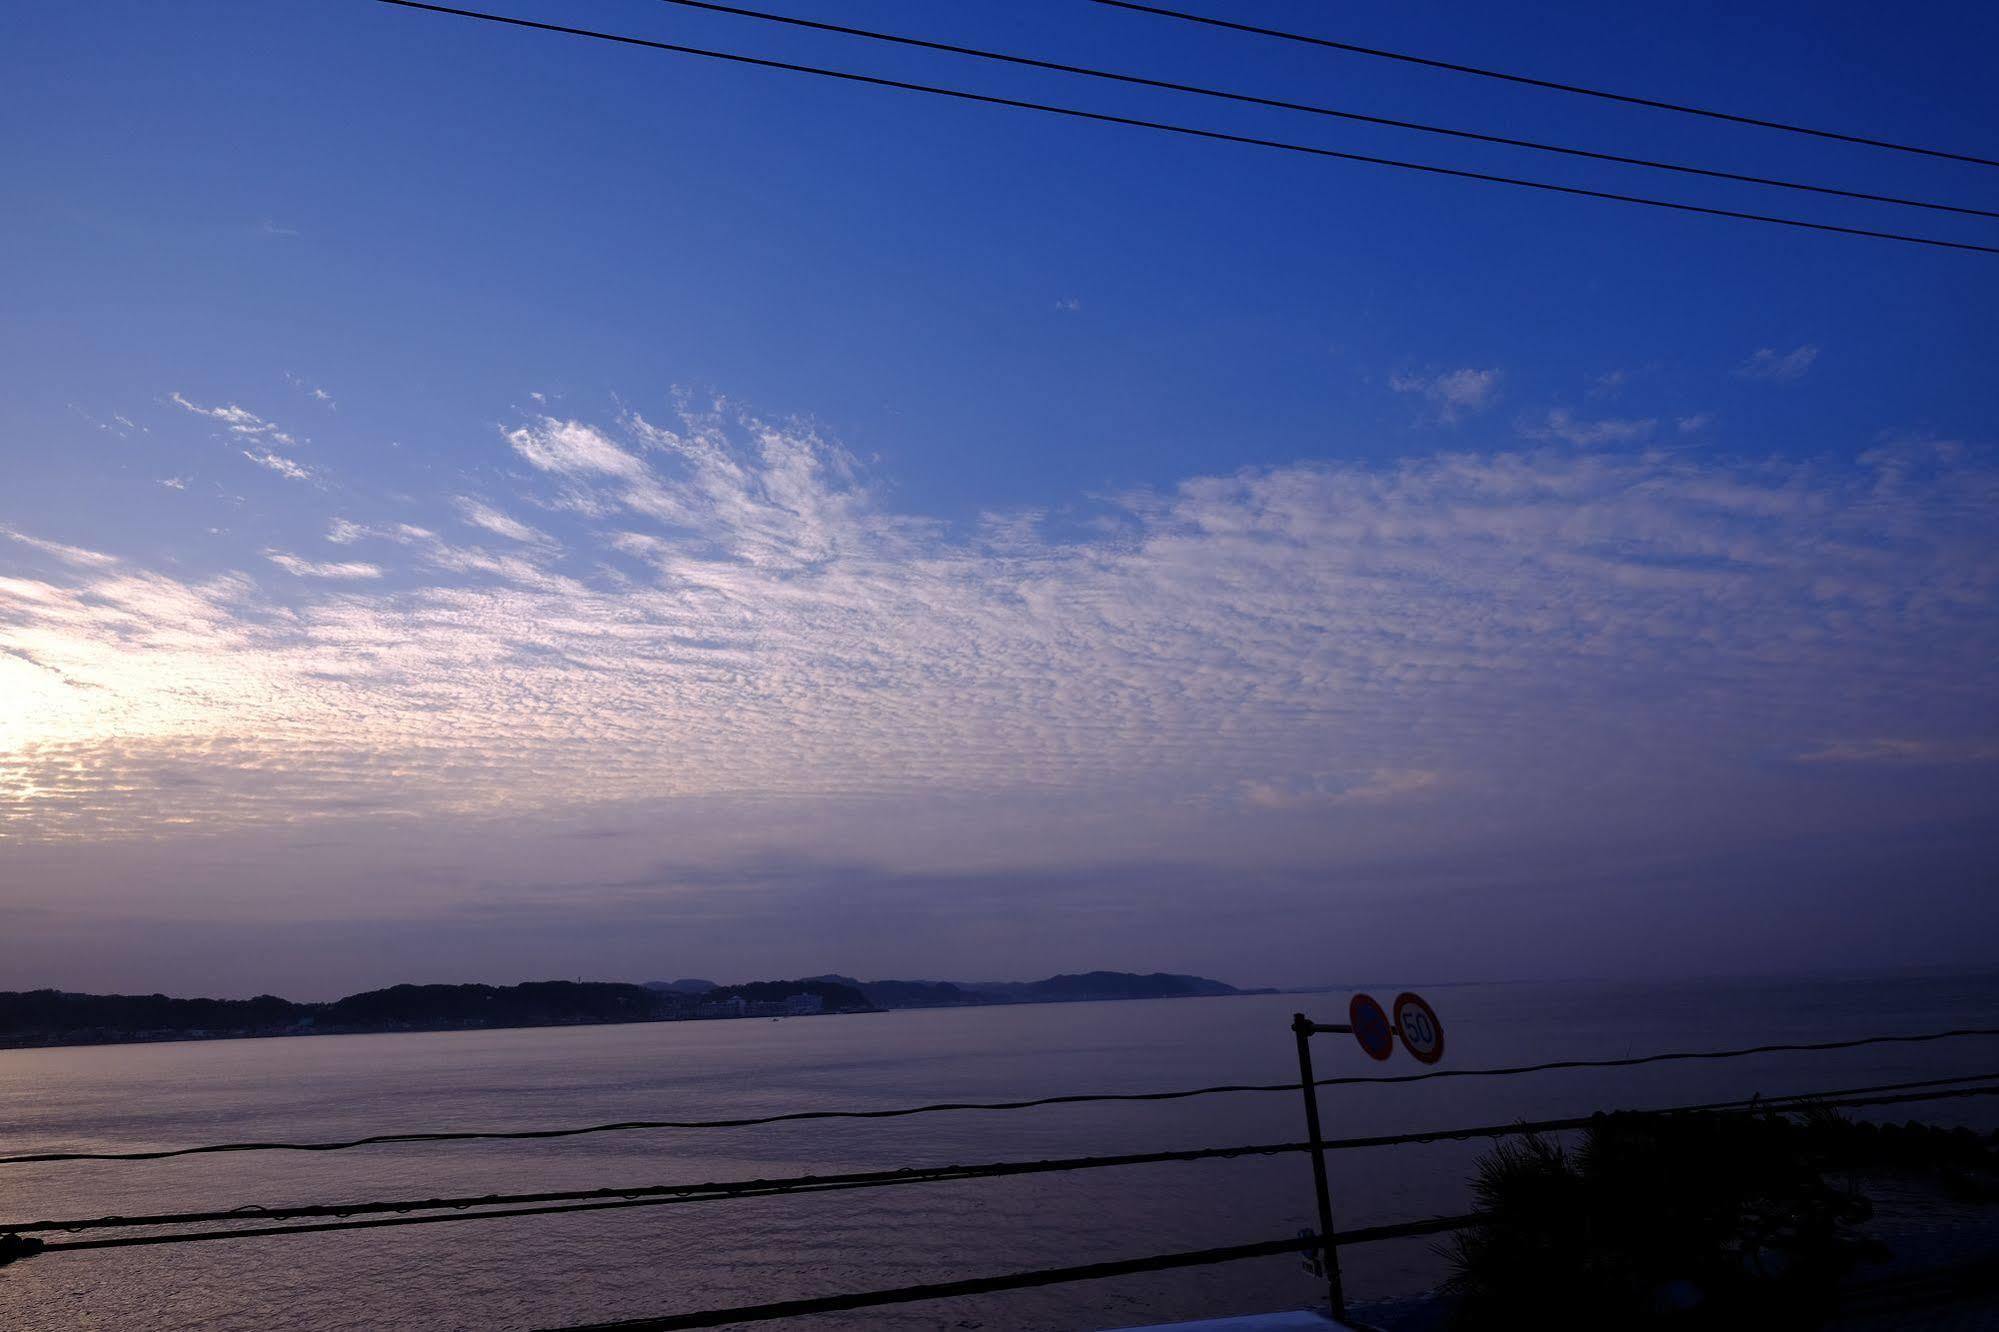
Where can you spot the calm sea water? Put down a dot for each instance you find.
(547, 1271)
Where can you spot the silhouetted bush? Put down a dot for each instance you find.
(1691, 1221)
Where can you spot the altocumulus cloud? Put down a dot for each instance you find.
(1273, 658)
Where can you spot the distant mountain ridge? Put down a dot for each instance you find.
(1074, 988)
(55, 1017)
(1107, 985)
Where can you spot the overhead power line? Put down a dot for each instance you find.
(992, 1285)
(1051, 1276)
(1188, 131)
(1629, 98)
(1282, 104)
(660, 1193)
(1079, 1098)
(825, 1184)
(462, 1208)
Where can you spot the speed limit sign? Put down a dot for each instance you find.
(1416, 1023)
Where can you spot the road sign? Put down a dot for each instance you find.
(1370, 1026)
(1416, 1022)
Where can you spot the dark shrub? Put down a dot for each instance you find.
(1691, 1221)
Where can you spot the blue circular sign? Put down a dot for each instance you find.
(1370, 1026)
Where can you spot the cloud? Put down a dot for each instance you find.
(345, 532)
(277, 462)
(1454, 394)
(292, 564)
(1563, 424)
(77, 555)
(1699, 421)
(480, 514)
(1766, 363)
(573, 449)
(1069, 305)
(120, 425)
(239, 420)
(312, 391)
(1897, 750)
(1320, 790)
(1545, 644)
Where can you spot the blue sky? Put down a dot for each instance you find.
(539, 506)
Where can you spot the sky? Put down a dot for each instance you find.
(480, 504)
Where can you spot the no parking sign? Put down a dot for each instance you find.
(1371, 1026)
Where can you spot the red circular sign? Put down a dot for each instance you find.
(1370, 1026)
(1416, 1022)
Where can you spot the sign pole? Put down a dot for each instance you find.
(1422, 1035)
(1302, 1027)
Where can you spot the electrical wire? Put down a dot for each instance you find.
(1080, 1098)
(1631, 99)
(1320, 110)
(1189, 131)
(757, 1313)
(534, 1204)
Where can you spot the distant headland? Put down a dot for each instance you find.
(57, 1017)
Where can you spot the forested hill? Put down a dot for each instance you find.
(1079, 987)
(1103, 985)
(55, 1017)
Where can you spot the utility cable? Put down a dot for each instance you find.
(534, 1204)
(1080, 1098)
(1631, 99)
(1049, 1276)
(1188, 131)
(1281, 104)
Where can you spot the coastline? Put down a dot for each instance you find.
(63, 1041)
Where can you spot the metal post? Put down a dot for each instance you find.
(1302, 1027)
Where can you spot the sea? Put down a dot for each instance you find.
(553, 1271)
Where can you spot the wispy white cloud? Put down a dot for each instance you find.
(345, 532)
(573, 449)
(303, 568)
(77, 555)
(1609, 384)
(311, 390)
(1895, 750)
(1452, 395)
(277, 462)
(1766, 363)
(241, 421)
(1562, 424)
(1321, 790)
(120, 425)
(480, 514)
